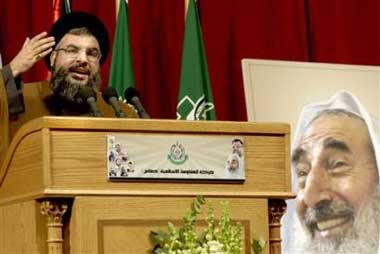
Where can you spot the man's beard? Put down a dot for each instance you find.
(362, 238)
(69, 90)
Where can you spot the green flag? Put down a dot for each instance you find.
(121, 73)
(195, 100)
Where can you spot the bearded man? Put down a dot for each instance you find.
(335, 157)
(81, 46)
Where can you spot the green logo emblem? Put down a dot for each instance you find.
(190, 110)
(177, 154)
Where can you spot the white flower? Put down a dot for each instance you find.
(215, 246)
(184, 252)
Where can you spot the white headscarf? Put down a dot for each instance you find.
(341, 100)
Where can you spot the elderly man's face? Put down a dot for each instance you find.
(336, 174)
(237, 147)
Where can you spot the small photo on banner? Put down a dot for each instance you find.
(183, 157)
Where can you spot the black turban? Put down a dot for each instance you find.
(77, 20)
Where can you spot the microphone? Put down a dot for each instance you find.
(88, 95)
(110, 96)
(133, 98)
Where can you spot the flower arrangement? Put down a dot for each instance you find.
(223, 237)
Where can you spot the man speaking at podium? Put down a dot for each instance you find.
(81, 47)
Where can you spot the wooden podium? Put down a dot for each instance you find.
(55, 196)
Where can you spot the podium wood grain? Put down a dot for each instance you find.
(65, 159)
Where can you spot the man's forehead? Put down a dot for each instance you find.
(337, 132)
(335, 126)
(82, 41)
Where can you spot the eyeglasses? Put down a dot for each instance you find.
(93, 54)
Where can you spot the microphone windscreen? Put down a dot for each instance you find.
(86, 92)
(109, 92)
(129, 93)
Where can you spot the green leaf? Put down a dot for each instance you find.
(195, 208)
(158, 238)
(258, 245)
(201, 200)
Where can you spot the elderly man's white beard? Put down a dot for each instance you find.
(362, 239)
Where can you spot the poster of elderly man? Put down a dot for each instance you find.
(335, 158)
